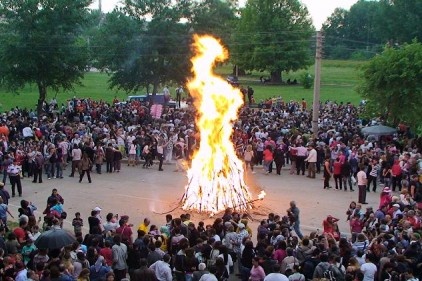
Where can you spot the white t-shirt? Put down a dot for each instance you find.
(369, 270)
(361, 177)
(130, 139)
(27, 132)
(276, 277)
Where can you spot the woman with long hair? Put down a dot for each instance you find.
(327, 172)
(246, 260)
(85, 167)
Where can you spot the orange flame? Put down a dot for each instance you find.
(215, 179)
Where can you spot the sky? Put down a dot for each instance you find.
(319, 9)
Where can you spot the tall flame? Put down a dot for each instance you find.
(215, 179)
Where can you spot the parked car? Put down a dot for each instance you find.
(233, 80)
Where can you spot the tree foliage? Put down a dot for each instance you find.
(141, 54)
(273, 36)
(40, 43)
(392, 85)
(146, 54)
(369, 25)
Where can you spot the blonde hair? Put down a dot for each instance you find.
(249, 147)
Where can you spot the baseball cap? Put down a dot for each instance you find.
(396, 205)
(241, 225)
(97, 209)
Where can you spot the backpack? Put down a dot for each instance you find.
(333, 273)
(329, 274)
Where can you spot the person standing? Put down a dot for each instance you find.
(248, 157)
(109, 157)
(250, 95)
(361, 178)
(160, 152)
(346, 174)
(178, 149)
(76, 158)
(14, 171)
(119, 251)
(327, 173)
(117, 159)
(337, 173)
(373, 175)
(311, 159)
(162, 269)
(279, 158)
(300, 159)
(268, 158)
(84, 166)
(293, 214)
(59, 163)
(38, 164)
(99, 157)
(179, 92)
(259, 151)
(369, 269)
(7, 161)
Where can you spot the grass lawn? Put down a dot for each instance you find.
(338, 82)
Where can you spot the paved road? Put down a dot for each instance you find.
(141, 192)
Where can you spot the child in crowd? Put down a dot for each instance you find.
(77, 223)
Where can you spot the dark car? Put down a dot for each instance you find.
(233, 80)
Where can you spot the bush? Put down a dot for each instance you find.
(306, 80)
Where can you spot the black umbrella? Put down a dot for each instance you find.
(54, 239)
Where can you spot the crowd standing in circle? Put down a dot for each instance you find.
(84, 134)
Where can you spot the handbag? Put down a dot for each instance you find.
(353, 180)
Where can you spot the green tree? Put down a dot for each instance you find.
(351, 32)
(145, 54)
(273, 36)
(392, 86)
(334, 29)
(40, 43)
(399, 21)
(214, 17)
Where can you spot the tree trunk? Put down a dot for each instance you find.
(276, 76)
(42, 91)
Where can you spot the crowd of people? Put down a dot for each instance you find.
(84, 135)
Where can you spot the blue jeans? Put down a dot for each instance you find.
(296, 228)
(50, 170)
(59, 169)
(266, 165)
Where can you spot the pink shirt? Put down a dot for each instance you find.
(257, 273)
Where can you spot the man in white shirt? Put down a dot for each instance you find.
(311, 159)
(276, 276)
(369, 269)
(76, 158)
(361, 178)
(162, 269)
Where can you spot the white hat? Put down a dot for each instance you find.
(97, 209)
(241, 225)
(396, 205)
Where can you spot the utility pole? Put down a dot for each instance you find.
(99, 6)
(317, 84)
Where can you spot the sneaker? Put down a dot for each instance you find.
(54, 177)
(49, 178)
